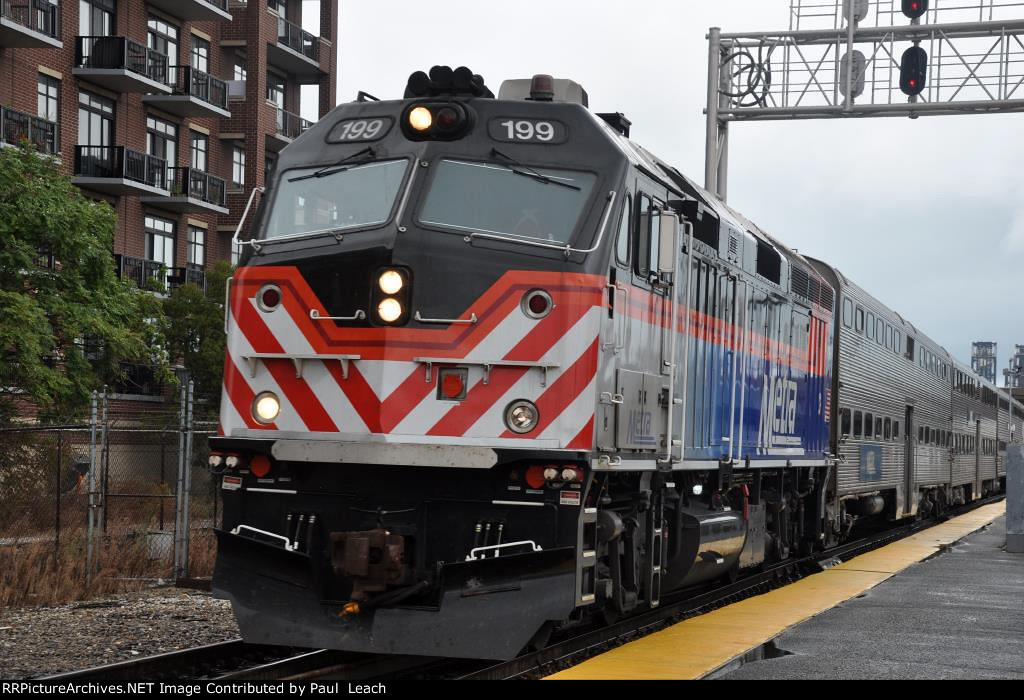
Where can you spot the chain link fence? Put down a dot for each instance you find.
(123, 497)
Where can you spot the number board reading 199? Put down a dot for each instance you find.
(512, 130)
(356, 130)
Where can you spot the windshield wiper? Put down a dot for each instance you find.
(529, 172)
(333, 168)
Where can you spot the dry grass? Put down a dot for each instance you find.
(33, 574)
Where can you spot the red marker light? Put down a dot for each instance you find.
(452, 385)
(260, 466)
(535, 477)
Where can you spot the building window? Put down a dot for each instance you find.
(162, 142)
(238, 167)
(160, 240)
(278, 6)
(275, 90)
(96, 17)
(48, 98)
(48, 104)
(239, 73)
(196, 246)
(200, 151)
(95, 122)
(163, 38)
(200, 59)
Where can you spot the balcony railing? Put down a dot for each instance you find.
(194, 274)
(120, 162)
(37, 15)
(193, 183)
(146, 274)
(118, 52)
(16, 127)
(187, 80)
(291, 125)
(293, 36)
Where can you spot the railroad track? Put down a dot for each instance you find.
(236, 660)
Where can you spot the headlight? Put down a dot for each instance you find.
(266, 408)
(389, 310)
(391, 282)
(521, 417)
(421, 119)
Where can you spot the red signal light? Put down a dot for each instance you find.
(260, 466)
(452, 385)
(535, 477)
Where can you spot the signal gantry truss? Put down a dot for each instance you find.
(828, 65)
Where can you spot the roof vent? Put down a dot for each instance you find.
(544, 88)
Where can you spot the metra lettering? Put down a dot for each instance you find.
(778, 409)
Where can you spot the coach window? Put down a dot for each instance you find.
(920, 433)
(860, 320)
(847, 313)
(895, 430)
(878, 428)
(889, 337)
(888, 428)
(910, 348)
(858, 423)
(880, 332)
(622, 245)
(844, 422)
(869, 425)
(870, 328)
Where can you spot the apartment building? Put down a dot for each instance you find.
(170, 110)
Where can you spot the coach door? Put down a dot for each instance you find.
(909, 502)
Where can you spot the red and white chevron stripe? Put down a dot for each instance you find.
(387, 392)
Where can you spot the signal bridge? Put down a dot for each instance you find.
(861, 58)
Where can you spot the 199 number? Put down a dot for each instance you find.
(527, 131)
(359, 130)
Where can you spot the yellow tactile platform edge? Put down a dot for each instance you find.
(698, 646)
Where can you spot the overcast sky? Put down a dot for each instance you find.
(928, 215)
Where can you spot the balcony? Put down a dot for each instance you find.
(193, 94)
(120, 171)
(289, 127)
(146, 274)
(192, 190)
(120, 64)
(29, 24)
(197, 10)
(194, 274)
(296, 51)
(16, 127)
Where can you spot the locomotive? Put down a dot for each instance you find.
(494, 369)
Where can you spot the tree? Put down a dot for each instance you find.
(66, 321)
(195, 329)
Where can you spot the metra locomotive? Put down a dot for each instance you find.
(493, 368)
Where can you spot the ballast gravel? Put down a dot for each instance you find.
(37, 642)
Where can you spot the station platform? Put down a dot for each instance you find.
(960, 615)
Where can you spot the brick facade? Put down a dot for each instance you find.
(246, 39)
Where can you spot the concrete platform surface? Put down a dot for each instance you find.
(707, 643)
(959, 615)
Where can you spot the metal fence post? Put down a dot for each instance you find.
(104, 462)
(1015, 499)
(179, 486)
(56, 498)
(186, 519)
(91, 526)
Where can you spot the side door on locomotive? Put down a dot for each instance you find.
(636, 397)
